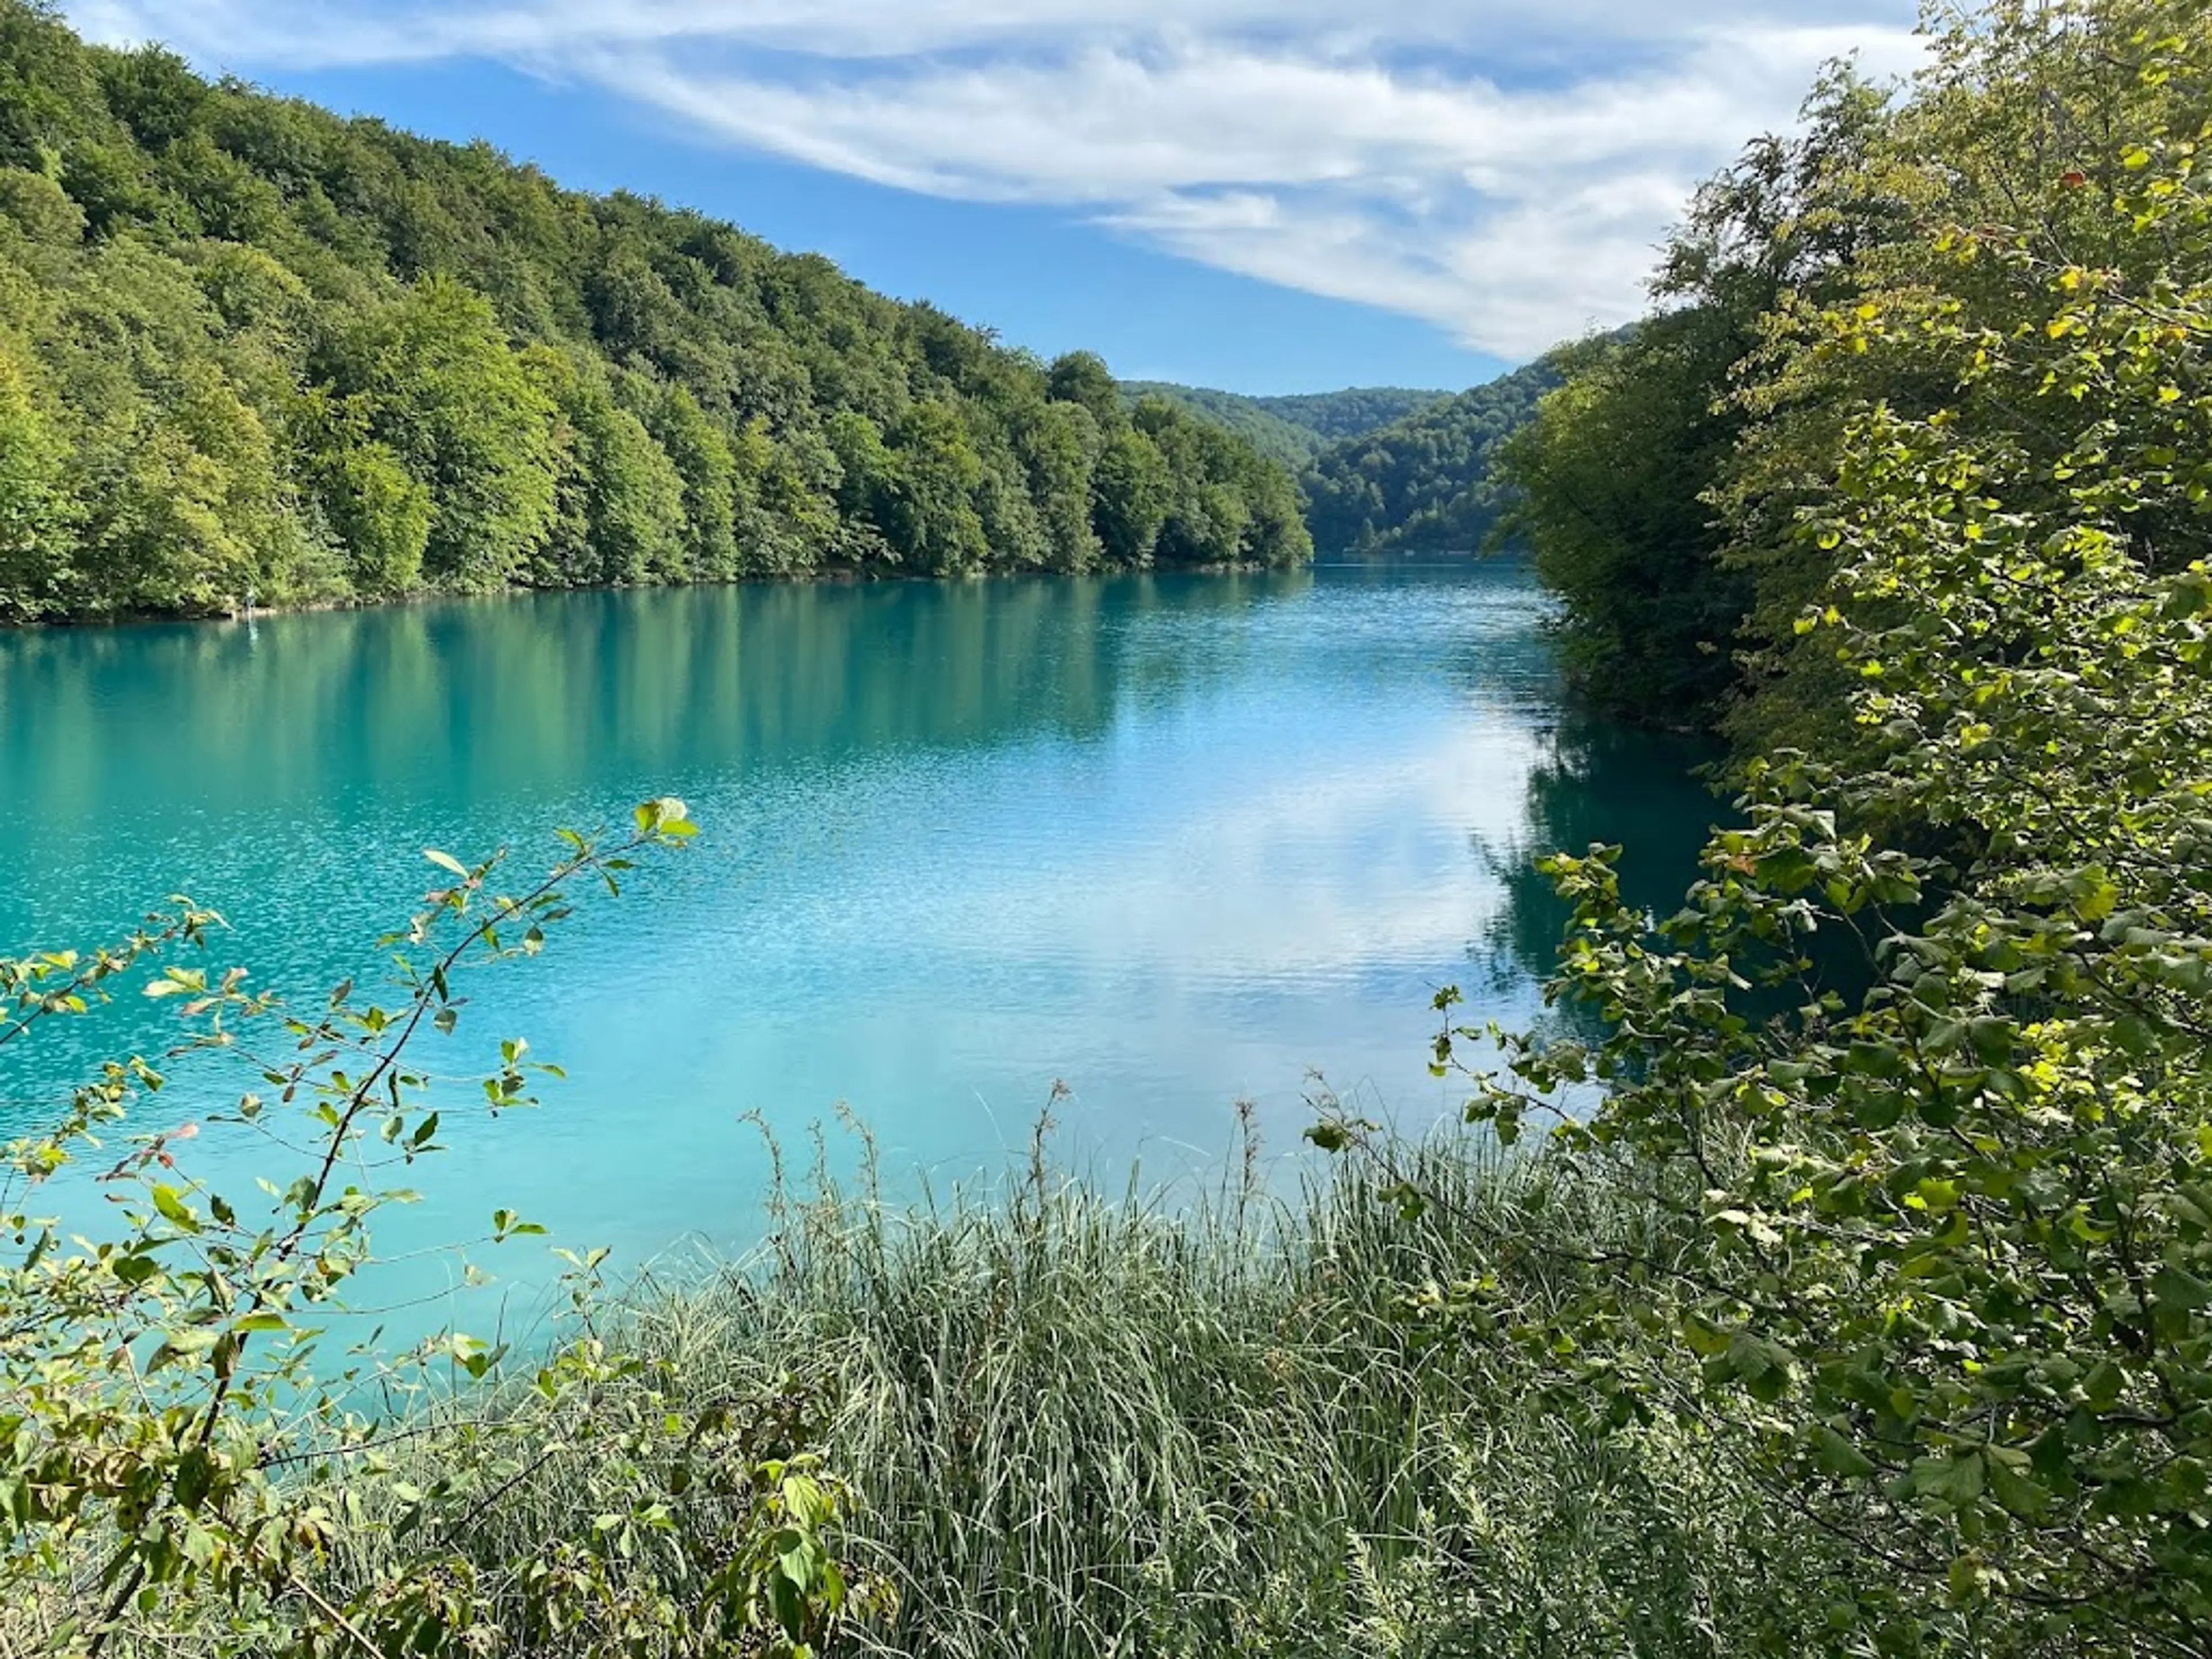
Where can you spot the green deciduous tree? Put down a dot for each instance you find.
(1082, 378)
(382, 513)
(371, 297)
(1941, 1247)
(930, 508)
(1606, 482)
(716, 495)
(620, 518)
(1060, 444)
(1129, 496)
(38, 519)
(432, 378)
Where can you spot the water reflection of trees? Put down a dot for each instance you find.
(469, 701)
(1600, 783)
(1658, 797)
(231, 759)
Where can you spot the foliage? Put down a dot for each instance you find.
(1598, 484)
(182, 1459)
(1352, 413)
(431, 382)
(1946, 1265)
(2022, 121)
(1294, 430)
(1424, 483)
(1279, 439)
(1222, 503)
(249, 350)
(1088, 1420)
(1613, 482)
(36, 526)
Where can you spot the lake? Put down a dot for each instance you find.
(1168, 843)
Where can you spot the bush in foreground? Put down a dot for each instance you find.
(186, 1463)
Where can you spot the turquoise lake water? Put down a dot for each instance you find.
(1171, 842)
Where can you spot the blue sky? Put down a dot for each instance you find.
(1264, 195)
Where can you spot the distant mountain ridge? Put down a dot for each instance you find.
(1383, 469)
(1423, 482)
(1295, 429)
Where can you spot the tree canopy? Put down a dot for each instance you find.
(1928, 1249)
(1296, 427)
(1423, 481)
(250, 349)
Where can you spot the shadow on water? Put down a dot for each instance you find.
(1659, 796)
(1600, 783)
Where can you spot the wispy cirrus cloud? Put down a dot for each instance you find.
(1501, 168)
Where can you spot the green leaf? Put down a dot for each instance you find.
(173, 1210)
(2014, 1488)
(1838, 1456)
(1966, 1578)
(2177, 1288)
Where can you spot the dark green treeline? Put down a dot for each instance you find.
(1423, 482)
(249, 348)
(1297, 428)
(1672, 492)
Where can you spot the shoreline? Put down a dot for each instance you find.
(838, 577)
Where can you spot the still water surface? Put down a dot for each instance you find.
(1173, 843)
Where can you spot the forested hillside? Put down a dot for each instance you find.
(1424, 481)
(1334, 416)
(1272, 436)
(249, 348)
(1295, 429)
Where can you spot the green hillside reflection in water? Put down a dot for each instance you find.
(1173, 842)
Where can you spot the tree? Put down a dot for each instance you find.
(382, 513)
(1628, 486)
(867, 480)
(620, 518)
(374, 299)
(1605, 484)
(434, 380)
(715, 494)
(1082, 378)
(1129, 496)
(1941, 1247)
(932, 501)
(1060, 444)
(38, 519)
(186, 509)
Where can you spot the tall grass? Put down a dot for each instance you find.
(1086, 1421)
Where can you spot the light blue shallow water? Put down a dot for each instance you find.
(1172, 842)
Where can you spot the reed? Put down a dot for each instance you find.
(1087, 1419)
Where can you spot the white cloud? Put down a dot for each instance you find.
(1502, 169)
